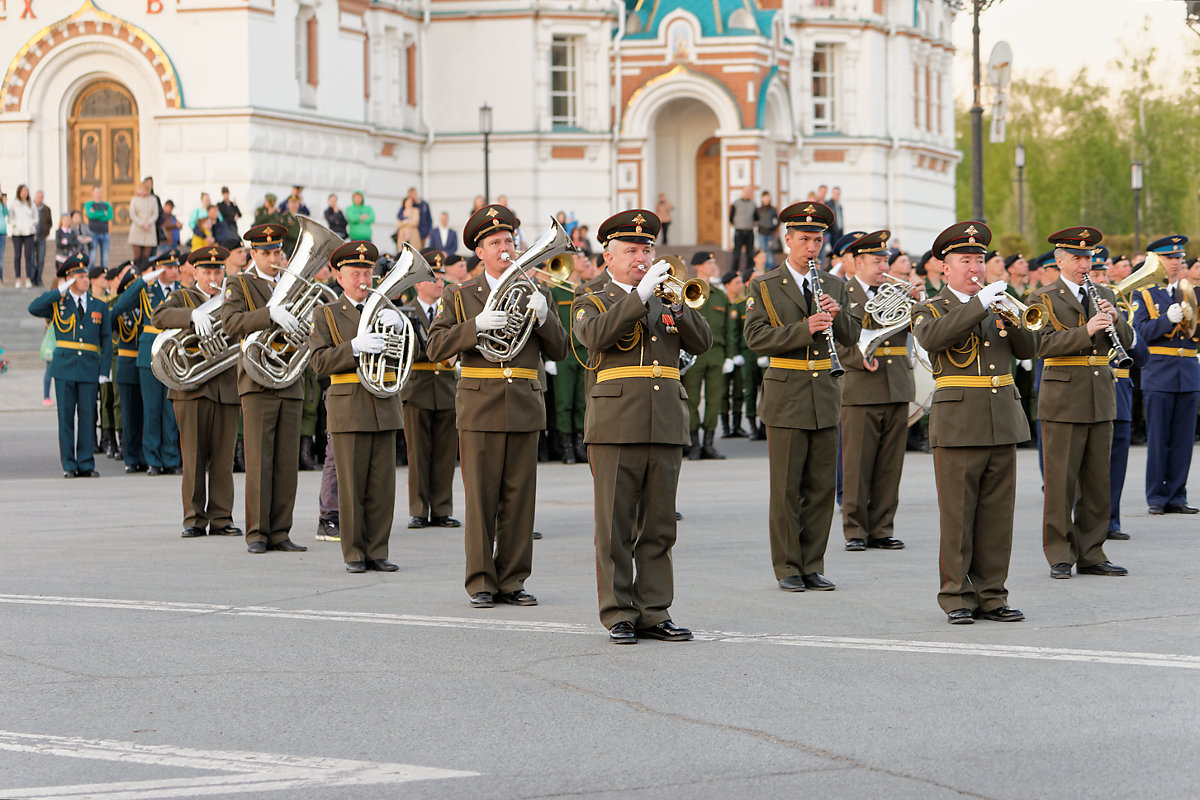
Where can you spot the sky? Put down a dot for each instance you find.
(1062, 36)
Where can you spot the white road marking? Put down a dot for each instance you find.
(729, 637)
(253, 771)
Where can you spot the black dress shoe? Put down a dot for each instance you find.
(136, 468)
(1001, 614)
(444, 522)
(622, 633)
(885, 543)
(1103, 568)
(154, 471)
(170, 470)
(1061, 570)
(87, 473)
(1181, 508)
(418, 522)
(818, 582)
(1157, 510)
(191, 533)
(1118, 534)
(960, 616)
(792, 583)
(227, 530)
(256, 547)
(482, 600)
(537, 535)
(678, 517)
(71, 474)
(382, 565)
(518, 598)
(288, 546)
(665, 631)
(856, 545)
(356, 566)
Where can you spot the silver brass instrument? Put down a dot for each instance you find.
(890, 309)
(512, 294)
(1124, 360)
(272, 357)
(835, 364)
(182, 359)
(383, 373)
(1031, 318)
(686, 360)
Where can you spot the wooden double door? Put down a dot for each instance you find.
(708, 193)
(104, 148)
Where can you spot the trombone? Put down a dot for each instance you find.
(1031, 318)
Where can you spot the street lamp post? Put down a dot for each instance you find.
(485, 127)
(1135, 181)
(977, 104)
(1020, 159)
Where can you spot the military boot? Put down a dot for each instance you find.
(725, 434)
(694, 451)
(239, 457)
(708, 451)
(568, 450)
(757, 432)
(735, 426)
(306, 453)
(581, 455)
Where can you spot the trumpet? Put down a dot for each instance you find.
(677, 291)
(1031, 318)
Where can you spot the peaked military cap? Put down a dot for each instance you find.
(486, 221)
(873, 242)
(962, 237)
(436, 259)
(1100, 258)
(807, 216)
(1170, 246)
(210, 256)
(354, 254)
(268, 236)
(700, 256)
(1014, 258)
(989, 255)
(168, 258)
(636, 225)
(76, 262)
(1078, 241)
(128, 279)
(1046, 259)
(839, 247)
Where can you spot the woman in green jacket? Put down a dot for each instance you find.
(359, 217)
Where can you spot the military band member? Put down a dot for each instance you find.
(1170, 383)
(362, 425)
(637, 419)
(82, 342)
(741, 385)
(206, 413)
(109, 415)
(975, 423)
(875, 398)
(801, 400)
(271, 417)
(566, 376)
(706, 378)
(499, 414)
(429, 420)
(1076, 405)
(125, 335)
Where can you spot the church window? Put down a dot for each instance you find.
(564, 82)
(824, 88)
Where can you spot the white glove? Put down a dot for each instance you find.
(991, 293)
(491, 320)
(654, 276)
(367, 343)
(1026, 364)
(151, 276)
(739, 360)
(764, 362)
(103, 379)
(1175, 312)
(727, 366)
(538, 304)
(63, 285)
(551, 367)
(285, 319)
(391, 318)
(202, 322)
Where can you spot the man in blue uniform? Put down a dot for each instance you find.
(83, 341)
(125, 334)
(1170, 382)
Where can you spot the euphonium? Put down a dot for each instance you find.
(383, 373)
(679, 292)
(182, 359)
(890, 309)
(272, 357)
(1031, 318)
(512, 294)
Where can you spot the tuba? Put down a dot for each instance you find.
(512, 294)
(271, 357)
(182, 359)
(383, 373)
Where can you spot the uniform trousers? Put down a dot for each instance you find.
(110, 407)
(976, 490)
(706, 370)
(131, 424)
(209, 431)
(432, 443)
(76, 446)
(873, 439)
(1117, 464)
(1170, 436)
(366, 462)
(741, 387)
(272, 448)
(499, 472)
(635, 487)
(160, 433)
(801, 490)
(1075, 506)
(327, 498)
(569, 396)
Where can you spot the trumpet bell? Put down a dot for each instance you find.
(1152, 273)
(678, 291)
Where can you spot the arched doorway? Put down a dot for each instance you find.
(708, 192)
(103, 126)
(680, 130)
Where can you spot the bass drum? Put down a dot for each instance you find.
(923, 378)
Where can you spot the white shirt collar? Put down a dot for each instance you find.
(166, 287)
(426, 306)
(624, 286)
(1074, 287)
(866, 287)
(491, 282)
(800, 279)
(965, 298)
(78, 297)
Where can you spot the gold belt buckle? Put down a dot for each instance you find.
(812, 364)
(1182, 352)
(887, 351)
(1091, 361)
(508, 372)
(656, 371)
(995, 380)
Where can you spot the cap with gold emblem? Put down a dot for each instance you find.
(486, 221)
(268, 236)
(1014, 258)
(354, 254)
(1170, 246)
(167, 258)
(1078, 241)
(76, 262)
(436, 259)
(807, 216)
(873, 242)
(962, 237)
(1100, 258)
(636, 225)
(211, 256)
(839, 247)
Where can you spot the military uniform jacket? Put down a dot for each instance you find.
(716, 313)
(176, 312)
(777, 325)
(1082, 392)
(84, 341)
(892, 382)
(966, 340)
(737, 313)
(431, 388)
(125, 335)
(350, 407)
(144, 299)
(621, 331)
(563, 299)
(493, 403)
(1164, 373)
(244, 312)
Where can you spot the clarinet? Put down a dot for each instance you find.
(835, 365)
(1123, 359)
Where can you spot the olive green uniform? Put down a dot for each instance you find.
(429, 427)
(568, 383)
(743, 382)
(707, 368)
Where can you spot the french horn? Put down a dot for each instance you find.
(383, 373)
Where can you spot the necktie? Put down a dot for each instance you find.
(431, 315)
(81, 310)
(359, 306)
(1083, 298)
(808, 295)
